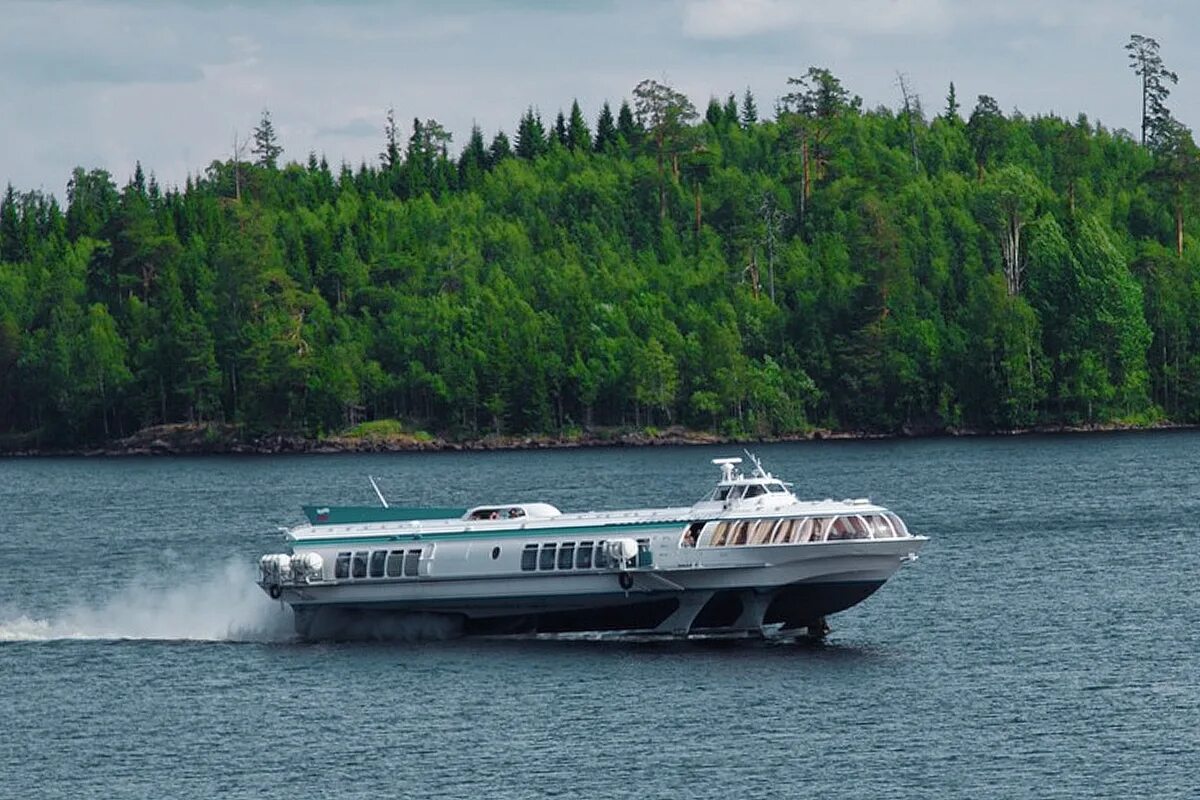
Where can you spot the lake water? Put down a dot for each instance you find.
(1046, 644)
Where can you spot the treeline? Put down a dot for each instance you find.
(829, 265)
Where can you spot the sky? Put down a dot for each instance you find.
(170, 83)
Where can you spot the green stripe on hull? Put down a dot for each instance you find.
(351, 515)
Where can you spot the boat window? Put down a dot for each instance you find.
(566, 555)
(821, 528)
(721, 493)
(691, 535)
(880, 527)
(495, 553)
(601, 560)
(782, 530)
(529, 558)
(515, 512)
(858, 527)
(898, 524)
(395, 564)
(412, 561)
(341, 567)
(840, 530)
(378, 557)
(735, 492)
(719, 535)
(803, 530)
(546, 561)
(583, 556)
(762, 531)
(754, 490)
(740, 532)
(776, 488)
(358, 566)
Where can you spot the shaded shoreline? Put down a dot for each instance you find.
(213, 439)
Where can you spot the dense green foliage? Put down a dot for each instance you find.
(831, 266)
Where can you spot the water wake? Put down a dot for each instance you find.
(223, 605)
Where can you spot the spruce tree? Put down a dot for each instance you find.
(579, 138)
(626, 126)
(606, 130)
(266, 145)
(749, 109)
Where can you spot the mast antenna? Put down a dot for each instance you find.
(378, 493)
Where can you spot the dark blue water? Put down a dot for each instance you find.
(1045, 645)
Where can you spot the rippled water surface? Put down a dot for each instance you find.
(1046, 644)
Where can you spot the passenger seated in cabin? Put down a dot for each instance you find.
(494, 515)
(513, 513)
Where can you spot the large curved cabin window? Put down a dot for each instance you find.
(735, 492)
(721, 493)
(805, 528)
(782, 530)
(583, 556)
(378, 557)
(741, 532)
(898, 524)
(566, 555)
(691, 535)
(719, 535)
(776, 488)
(840, 530)
(395, 564)
(880, 527)
(822, 528)
(754, 490)
(761, 533)
(858, 527)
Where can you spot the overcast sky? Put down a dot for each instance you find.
(168, 82)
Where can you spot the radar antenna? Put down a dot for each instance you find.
(726, 465)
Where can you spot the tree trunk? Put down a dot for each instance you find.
(1179, 229)
(697, 213)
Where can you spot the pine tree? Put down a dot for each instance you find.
(731, 109)
(531, 136)
(626, 126)
(266, 145)
(749, 109)
(579, 138)
(560, 129)
(500, 149)
(951, 113)
(474, 159)
(606, 130)
(390, 157)
(1146, 63)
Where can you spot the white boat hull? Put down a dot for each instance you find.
(773, 587)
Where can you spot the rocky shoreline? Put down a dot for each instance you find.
(216, 439)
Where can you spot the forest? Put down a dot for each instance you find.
(748, 272)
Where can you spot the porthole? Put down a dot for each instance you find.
(495, 553)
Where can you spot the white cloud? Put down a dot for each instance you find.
(731, 19)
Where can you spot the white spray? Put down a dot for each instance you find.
(224, 605)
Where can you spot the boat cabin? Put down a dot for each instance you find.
(735, 486)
